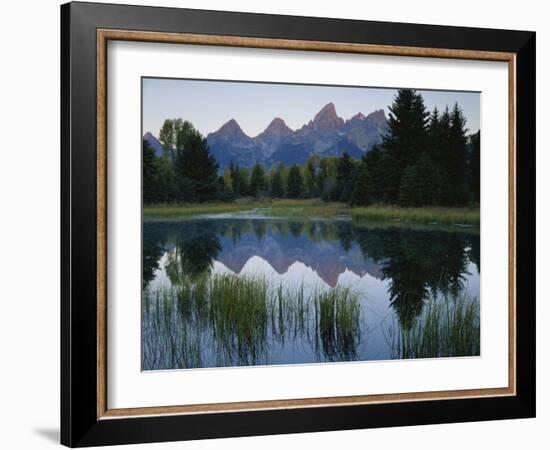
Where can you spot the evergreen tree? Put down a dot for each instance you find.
(429, 181)
(237, 181)
(195, 163)
(168, 188)
(244, 175)
(295, 182)
(420, 183)
(441, 147)
(383, 174)
(343, 186)
(435, 134)
(408, 195)
(258, 182)
(310, 176)
(475, 165)
(407, 137)
(361, 191)
(150, 175)
(457, 158)
(277, 183)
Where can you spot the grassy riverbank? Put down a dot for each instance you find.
(317, 208)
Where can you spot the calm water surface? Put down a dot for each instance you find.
(250, 290)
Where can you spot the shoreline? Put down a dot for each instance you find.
(314, 208)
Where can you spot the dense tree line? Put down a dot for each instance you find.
(185, 172)
(329, 178)
(425, 159)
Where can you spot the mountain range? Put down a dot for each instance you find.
(326, 134)
(281, 252)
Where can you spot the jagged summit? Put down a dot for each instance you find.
(326, 134)
(378, 115)
(154, 143)
(277, 127)
(231, 127)
(327, 119)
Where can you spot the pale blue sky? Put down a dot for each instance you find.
(209, 104)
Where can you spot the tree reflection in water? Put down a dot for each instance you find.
(205, 319)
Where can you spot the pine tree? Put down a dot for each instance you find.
(373, 164)
(258, 182)
(169, 188)
(407, 137)
(295, 182)
(343, 186)
(440, 145)
(236, 179)
(420, 184)
(428, 182)
(408, 189)
(361, 191)
(195, 163)
(150, 174)
(475, 165)
(277, 183)
(244, 175)
(435, 134)
(457, 158)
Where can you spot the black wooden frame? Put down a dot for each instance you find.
(79, 423)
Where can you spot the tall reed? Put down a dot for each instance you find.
(240, 317)
(448, 327)
(338, 319)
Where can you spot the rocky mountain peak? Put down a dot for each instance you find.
(377, 116)
(327, 135)
(231, 129)
(327, 119)
(277, 128)
(154, 143)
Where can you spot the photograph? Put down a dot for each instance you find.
(303, 224)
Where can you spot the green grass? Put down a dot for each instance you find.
(338, 318)
(314, 208)
(240, 315)
(445, 329)
(191, 209)
(426, 215)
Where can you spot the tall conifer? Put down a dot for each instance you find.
(407, 137)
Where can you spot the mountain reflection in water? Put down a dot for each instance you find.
(230, 292)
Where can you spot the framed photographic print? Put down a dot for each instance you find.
(276, 224)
